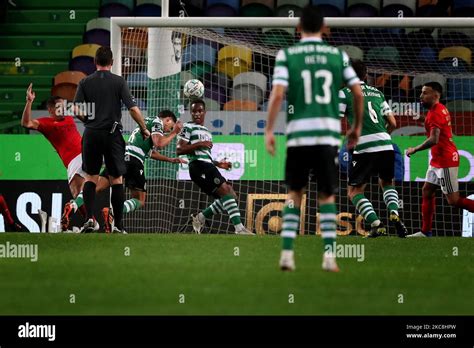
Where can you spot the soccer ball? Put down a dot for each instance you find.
(193, 89)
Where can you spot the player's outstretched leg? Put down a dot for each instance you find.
(199, 219)
(428, 208)
(390, 197)
(365, 208)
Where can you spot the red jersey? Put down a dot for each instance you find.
(63, 135)
(444, 154)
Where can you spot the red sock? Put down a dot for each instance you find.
(427, 212)
(465, 203)
(82, 210)
(5, 211)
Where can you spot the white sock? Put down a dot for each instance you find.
(375, 223)
(239, 227)
(74, 206)
(201, 218)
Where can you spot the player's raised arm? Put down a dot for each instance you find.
(26, 120)
(160, 140)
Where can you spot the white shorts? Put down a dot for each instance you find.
(447, 178)
(75, 167)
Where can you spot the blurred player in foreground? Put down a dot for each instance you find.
(311, 73)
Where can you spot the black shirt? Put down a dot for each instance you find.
(103, 93)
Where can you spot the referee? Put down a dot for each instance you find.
(103, 93)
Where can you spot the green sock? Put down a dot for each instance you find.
(215, 208)
(390, 197)
(365, 208)
(327, 223)
(230, 205)
(79, 200)
(131, 205)
(291, 222)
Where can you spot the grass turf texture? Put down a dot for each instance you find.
(203, 267)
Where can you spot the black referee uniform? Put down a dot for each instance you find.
(103, 92)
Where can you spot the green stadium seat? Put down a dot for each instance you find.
(278, 37)
(257, 8)
(378, 55)
(353, 52)
(98, 23)
(460, 106)
(288, 11)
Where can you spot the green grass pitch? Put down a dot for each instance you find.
(433, 275)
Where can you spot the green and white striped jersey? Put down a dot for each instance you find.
(194, 133)
(139, 148)
(313, 71)
(374, 136)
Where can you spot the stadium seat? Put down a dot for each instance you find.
(463, 8)
(399, 8)
(460, 88)
(457, 106)
(455, 37)
(278, 37)
(353, 52)
(459, 52)
(97, 36)
(65, 84)
(185, 76)
(329, 8)
(256, 8)
(288, 11)
(430, 11)
(138, 80)
(87, 50)
(114, 10)
(127, 3)
(250, 86)
(421, 79)
(427, 55)
(446, 66)
(98, 23)
(299, 3)
(199, 53)
(240, 105)
(220, 10)
(383, 55)
(148, 8)
(233, 60)
(212, 105)
(363, 8)
(83, 63)
(216, 92)
(72, 77)
(223, 8)
(135, 40)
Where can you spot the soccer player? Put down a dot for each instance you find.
(373, 155)
(444, 164)
(137, 151)
(61, 131)
(10, 224)
(311, 72)
(195, 141)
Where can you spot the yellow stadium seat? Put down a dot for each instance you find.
(233, 60)
(85, 50)
(461, 52)
(240, 105)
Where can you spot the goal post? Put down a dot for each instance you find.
(234, 58)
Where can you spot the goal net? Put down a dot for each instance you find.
(234, 59)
